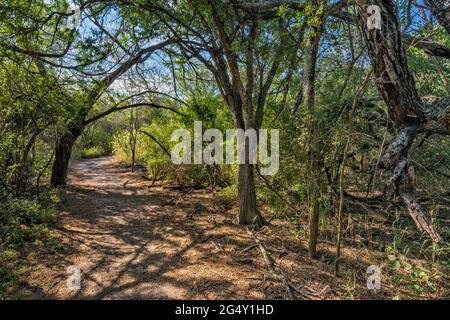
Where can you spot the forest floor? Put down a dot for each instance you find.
(135, 240)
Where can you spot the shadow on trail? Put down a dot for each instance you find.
(132, 242)
(135, 242)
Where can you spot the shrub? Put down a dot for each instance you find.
(8, 281)
(93, 152)
(23, 220)
(228, 194)
(122, 149)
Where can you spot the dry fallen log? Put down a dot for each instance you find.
(395, 159)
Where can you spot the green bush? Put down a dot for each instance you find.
(229, 194)
(122, 150)
(93, 152)
(23, 220)
(8, 281)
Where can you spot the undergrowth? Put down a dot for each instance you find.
(23, 222)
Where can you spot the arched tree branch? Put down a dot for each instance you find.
(130, 106)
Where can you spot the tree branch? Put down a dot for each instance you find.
(130, 106)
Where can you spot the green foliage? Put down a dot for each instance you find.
(93, 152)
(97, 138)
(40, 100)
(25, 220)
(154, 142)
(122, 150)
(31, 105)
(9, 281)
(416, 278)
(229, 194)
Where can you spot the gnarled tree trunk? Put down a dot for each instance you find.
(406, 109)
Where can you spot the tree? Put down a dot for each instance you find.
(407, 110)
(232, 47)
(250, 50)
(309, 78)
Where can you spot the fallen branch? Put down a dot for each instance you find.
(278, 274)
(248, 248)
(178, 187)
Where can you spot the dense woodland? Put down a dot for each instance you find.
(363, 115)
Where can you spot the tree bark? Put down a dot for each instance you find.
(63, 153)
(248, 211)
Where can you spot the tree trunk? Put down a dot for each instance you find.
(63, 153)
(355, 102)
(133, 138)
(24, 166)
(248, 211)
(406, 109)
(133, 158)
(22, 169)
(309, 78)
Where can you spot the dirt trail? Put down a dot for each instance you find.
(136, 242)
(133, 240)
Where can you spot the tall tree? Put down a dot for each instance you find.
(244, 56)
(309, 79)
